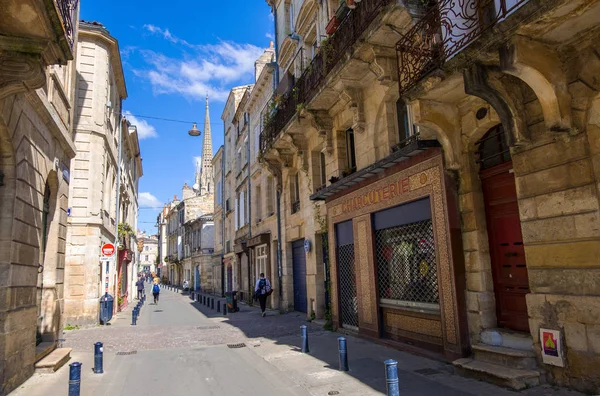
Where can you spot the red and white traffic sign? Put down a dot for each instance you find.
(108, 249)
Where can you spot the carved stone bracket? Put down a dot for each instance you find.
(384, 65)
(540, 68)
(479, 82)
(354, 98)
(323, 123)
(20, 72)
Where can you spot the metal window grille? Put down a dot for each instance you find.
(406, 265)
(347, 284)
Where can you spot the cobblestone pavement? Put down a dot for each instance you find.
(179, 346)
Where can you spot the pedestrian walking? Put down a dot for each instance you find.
(262, 290)
(155, 293)
(140, 287)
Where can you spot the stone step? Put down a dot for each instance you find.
(507, 338)
(508, 357)
(55, 360)
(42, 350)
(517, 379)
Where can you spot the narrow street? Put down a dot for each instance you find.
(181, 347)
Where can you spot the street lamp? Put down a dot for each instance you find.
(194, 131)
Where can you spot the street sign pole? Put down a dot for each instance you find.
(108, 252)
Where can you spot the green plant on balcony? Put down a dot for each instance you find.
(300, 107)
(125, 230)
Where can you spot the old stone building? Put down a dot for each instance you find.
(218, 285)
(149, 254)
(100, 132)
(459, 142)
(37, 80)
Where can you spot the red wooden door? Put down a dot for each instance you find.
(507, 253)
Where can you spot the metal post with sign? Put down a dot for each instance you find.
(108, 253)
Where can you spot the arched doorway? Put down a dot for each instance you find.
(507, 253)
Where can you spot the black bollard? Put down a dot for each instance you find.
(218, 306)
(74, 379)
(133, 318)
(304, 339)
(212, 303)
(225, 309)
(343, 349)
(98, 355)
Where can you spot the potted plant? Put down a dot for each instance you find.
(333, 179)
(351, 4)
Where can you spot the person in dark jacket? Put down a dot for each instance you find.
(262, 290)
(140, 288)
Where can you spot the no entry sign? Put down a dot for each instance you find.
(108, 249)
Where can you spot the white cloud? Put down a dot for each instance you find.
(147, 200)
(204, 69)
(144, 129)
(270, 36)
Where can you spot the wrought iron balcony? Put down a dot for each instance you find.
(448, 27)
(310, 82)
(66, 9)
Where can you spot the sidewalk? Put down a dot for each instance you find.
(318, 371)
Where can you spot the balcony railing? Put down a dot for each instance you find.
(67, 8)
(310, 82)
(447, 28)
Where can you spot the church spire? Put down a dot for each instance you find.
(206, 174)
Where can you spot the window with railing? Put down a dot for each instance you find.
(350, 153)
(447, 28)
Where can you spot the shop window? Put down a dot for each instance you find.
(492, 148)
(295, 193)
(350, 153)
(405, 255)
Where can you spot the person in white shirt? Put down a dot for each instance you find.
(262, 290)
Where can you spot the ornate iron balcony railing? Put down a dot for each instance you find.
(448, 27)
(309, 83)
(67, 8)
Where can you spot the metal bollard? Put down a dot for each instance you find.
(133, 318)
(218, 306)
(74, 379)
(98, 355)
(304, 332)
(198, 297)
(225, 309)
(343, 349)
(391, 378)
(212, 303)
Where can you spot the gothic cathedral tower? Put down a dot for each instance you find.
(204, 176)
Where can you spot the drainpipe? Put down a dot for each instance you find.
(274, 10)
(279, 266)
(117, 204)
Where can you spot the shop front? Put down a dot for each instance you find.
(397, 268)
(125, 257)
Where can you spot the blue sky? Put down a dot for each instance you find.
(173, 54)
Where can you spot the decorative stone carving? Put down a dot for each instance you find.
(478, 82)
(354, 98)
(20, 72)
(540, 68)
(384, 66)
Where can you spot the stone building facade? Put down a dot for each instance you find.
(461, 203)
(218, 285)
(37, 80)
(100, 90)
(149, 255)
